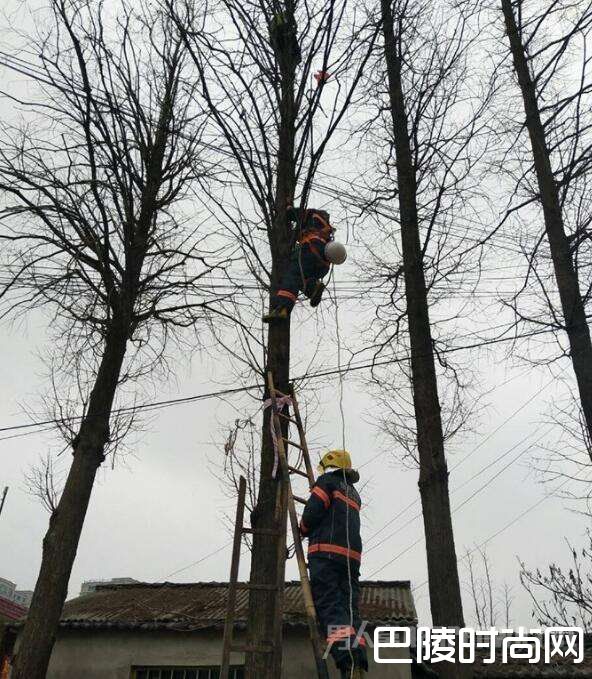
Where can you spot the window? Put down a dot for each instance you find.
(210, 672)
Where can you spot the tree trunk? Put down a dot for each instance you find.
(444, 586)
(65, 526)
(572, 306)
(268, 553)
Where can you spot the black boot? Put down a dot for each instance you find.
(317, 294)
(275, 315)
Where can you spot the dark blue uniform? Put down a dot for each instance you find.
(307, 264)
(331, 521)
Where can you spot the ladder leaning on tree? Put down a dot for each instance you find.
(285, 471)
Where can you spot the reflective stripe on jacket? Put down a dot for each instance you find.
(331, 517)
(315, 229)
(312, 225)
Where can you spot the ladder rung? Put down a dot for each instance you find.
(245, 648)
(299, 499)
(293, 470)
(253, 585)
(261, 531)
(287, 417)
(293, 443)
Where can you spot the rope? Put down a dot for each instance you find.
(341, 377)
(347, 509)
(280, 403)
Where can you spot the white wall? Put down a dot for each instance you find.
(110, 655)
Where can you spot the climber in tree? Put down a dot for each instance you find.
(310, 262)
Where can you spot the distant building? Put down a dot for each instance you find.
(89, 586)
(23, 597)
(7, 589)
(9, 592)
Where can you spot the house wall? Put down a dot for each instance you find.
(110, 655)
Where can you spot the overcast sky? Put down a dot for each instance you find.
(162, 510)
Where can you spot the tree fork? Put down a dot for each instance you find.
(572, 306)
(444, 585)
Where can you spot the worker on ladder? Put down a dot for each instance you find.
(331, 522)
(310, 262)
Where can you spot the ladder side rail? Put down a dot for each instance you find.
(286, 508)
(303, 442)
(311, 615)
(232, 585)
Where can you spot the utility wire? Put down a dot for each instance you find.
(511, 523)
(33, 71)
(156, 405)
(457, 508)
(461, 462)
(477, 491)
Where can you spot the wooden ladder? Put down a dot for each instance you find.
(286, 471)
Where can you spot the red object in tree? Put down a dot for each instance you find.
(322, 76)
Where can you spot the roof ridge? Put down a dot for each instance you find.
(194, 606)
(217, 583)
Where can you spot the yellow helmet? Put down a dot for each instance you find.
(340, 459)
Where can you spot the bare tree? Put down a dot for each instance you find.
(92, 231)
(43, 483)
(549, 47)
(255, 63)
(481, 592)
(490, 601)
(562, 597)
(428, 123)
(241, 459)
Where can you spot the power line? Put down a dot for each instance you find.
(157, 590)
(512, 522)
(33, 71)
(459, 463)
(476, 492)
(156, 405)
(146, 406)
(29, 433)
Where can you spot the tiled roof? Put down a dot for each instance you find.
(524, 670)
(558, 668)
(203, 605)
(10, 611)
(540, 671)
(536, 672)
